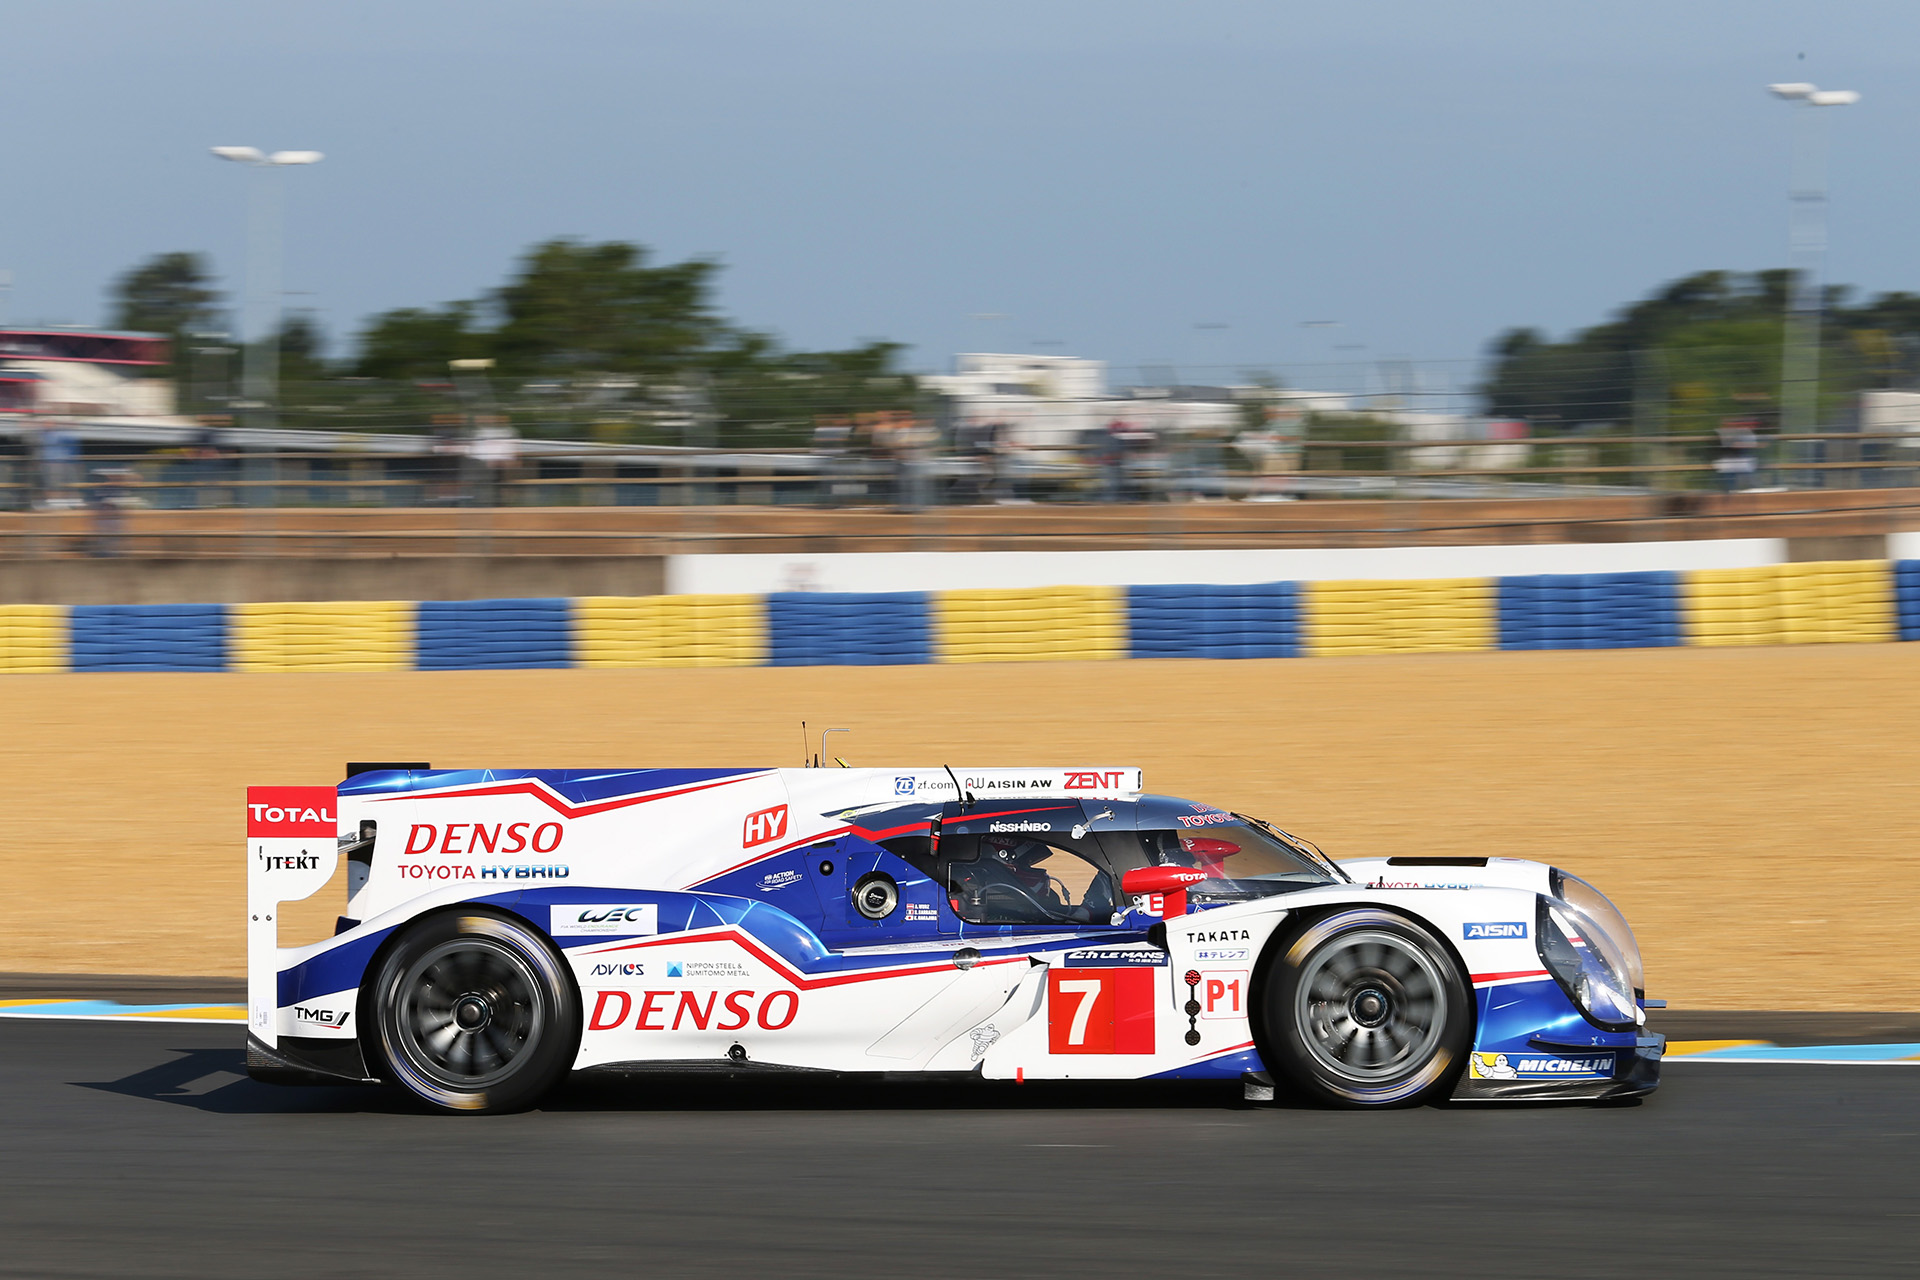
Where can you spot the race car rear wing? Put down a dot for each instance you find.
(292, 852)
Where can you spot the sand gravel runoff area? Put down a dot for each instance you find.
(1754, 811)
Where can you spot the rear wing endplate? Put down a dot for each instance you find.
(292, 850)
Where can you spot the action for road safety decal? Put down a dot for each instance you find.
(1100, 1010)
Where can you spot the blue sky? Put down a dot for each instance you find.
(1099, 179)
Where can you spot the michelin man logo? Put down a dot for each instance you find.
(1493, 1066)
(983, 1038)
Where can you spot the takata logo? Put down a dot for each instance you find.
(1095, 780)
(1496, 929)
(768, 824)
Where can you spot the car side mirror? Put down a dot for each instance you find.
(1165, 888)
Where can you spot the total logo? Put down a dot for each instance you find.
(290, 812)
(693, 1010)
(1494, 929)
(765, 826)
(333, 1019)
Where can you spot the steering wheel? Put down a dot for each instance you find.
(1023, 897)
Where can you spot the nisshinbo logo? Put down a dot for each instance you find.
(1019, 826)
(1483, 932)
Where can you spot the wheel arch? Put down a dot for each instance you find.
(1297, 923)
(372, 1055)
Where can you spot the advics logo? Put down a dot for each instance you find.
(1495, 929)
(764, 826)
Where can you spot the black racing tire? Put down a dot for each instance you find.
(1366, 1008)
(475, 1012)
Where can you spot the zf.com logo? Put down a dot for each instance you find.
(1484, 932)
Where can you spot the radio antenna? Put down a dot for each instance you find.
(803, 744)
(965, 798)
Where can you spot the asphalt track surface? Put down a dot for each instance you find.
(144, 1151)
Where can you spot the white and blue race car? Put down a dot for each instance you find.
(506, 927)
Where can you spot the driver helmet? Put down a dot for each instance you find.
(1017, 858)
(1209, 854)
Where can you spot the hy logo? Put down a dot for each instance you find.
(761, 827)
(1496, 929)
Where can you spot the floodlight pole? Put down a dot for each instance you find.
(1807, 241)
(260, 330)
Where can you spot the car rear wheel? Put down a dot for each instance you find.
(476, 1013)
(1365, 1008)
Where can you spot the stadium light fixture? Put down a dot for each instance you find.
(1807, 200)
(260, 350)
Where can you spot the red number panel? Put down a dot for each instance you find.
(1100, 1010)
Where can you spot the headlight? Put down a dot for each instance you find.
(1588, 965)
(1595, 906)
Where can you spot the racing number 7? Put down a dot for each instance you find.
(1101, 1010)
(1088, 989)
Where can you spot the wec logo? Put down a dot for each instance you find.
(575, 920)
(767, 824)
(1497, 929)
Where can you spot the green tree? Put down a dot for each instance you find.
(1700, 349)
(169, 293)
(414, 342)
(575, 307)
(302, 350)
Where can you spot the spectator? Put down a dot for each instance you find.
(1739, 453)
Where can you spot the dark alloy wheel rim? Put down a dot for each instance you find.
(467, 1010)
(1371, 1006)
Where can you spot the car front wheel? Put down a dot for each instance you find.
(1365, 1008)
(475, 1013)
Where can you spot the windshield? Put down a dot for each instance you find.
(1243, 858)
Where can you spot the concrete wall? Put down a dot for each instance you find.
(963, 570)
(240, 579)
